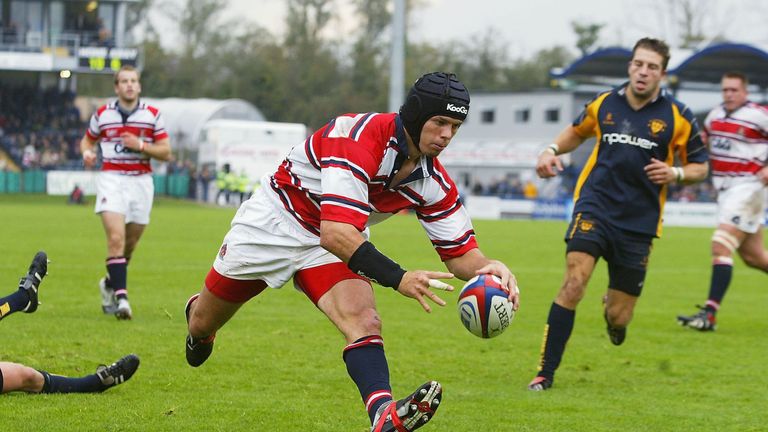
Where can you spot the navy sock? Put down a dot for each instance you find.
(367, 365)
(721, 279)
(117, 269)
(61, 384)
(15, 302)
(556, 335)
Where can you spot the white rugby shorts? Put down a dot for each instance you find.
(263, 243)
(128, 195)
(742, 205)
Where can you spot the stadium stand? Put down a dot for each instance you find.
(39, 129)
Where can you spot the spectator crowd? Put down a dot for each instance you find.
(42, 130)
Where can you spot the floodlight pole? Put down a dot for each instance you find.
(397, 64)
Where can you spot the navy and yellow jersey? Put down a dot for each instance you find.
(613, 183)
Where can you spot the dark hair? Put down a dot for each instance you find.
(656, 45)
(436, 93)
(127, 68)
(737, 75)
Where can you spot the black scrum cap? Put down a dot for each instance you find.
(436, 93)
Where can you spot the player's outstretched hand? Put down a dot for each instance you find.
(508, 280)
(418, 284)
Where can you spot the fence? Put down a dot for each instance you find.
(34, 181)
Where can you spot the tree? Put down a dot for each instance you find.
(587, 35)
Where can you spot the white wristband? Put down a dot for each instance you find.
(679, 174)
(142, 145)
(552, 148)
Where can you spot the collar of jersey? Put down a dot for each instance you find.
(123, 112)
(622, 91)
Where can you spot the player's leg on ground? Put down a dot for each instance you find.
(17, 377)
(25, 298)
(579, 267)
(104, 378)
(351, 307)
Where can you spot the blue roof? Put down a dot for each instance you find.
(706, 65)
(603, 62)
(710, 63)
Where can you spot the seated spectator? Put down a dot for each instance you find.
(529, 190)
(76, 196)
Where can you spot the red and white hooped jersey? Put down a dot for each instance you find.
(738, 143)
(109, 122)
(342, 173)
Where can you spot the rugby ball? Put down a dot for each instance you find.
(483, 306)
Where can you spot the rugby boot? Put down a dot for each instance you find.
(410, 413)
(198, 349)
(108, 299)
(123, 311)
(615, 334)
(31, 281)
(703, 320)
(118, 372)
(540, 383)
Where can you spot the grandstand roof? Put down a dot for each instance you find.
(689, 67)
(185, 118)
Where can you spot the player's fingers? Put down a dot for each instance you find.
(438, 275)
(424, 304)
(434, 283)
(435, 298)
(515, 298)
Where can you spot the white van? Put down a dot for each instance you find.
(253, 147)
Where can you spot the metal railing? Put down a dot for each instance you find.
(34, 41)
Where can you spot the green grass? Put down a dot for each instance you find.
(277, 364)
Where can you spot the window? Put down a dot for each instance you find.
(552, 115)
(487, 116)
(27, 15)
(522, 115)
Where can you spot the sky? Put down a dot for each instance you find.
(527, 26)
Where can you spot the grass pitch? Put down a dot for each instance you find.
(277, 365)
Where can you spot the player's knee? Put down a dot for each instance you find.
(365, 321)
(369, 321)
(31, 380)
(573, 289)
(724, 243)
(116, 240)
(619, 316)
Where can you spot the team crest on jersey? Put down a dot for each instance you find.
(657, 126)
(608, 119)
(223, 251)
(586, 226)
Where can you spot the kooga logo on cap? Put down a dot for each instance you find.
(458, 109)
